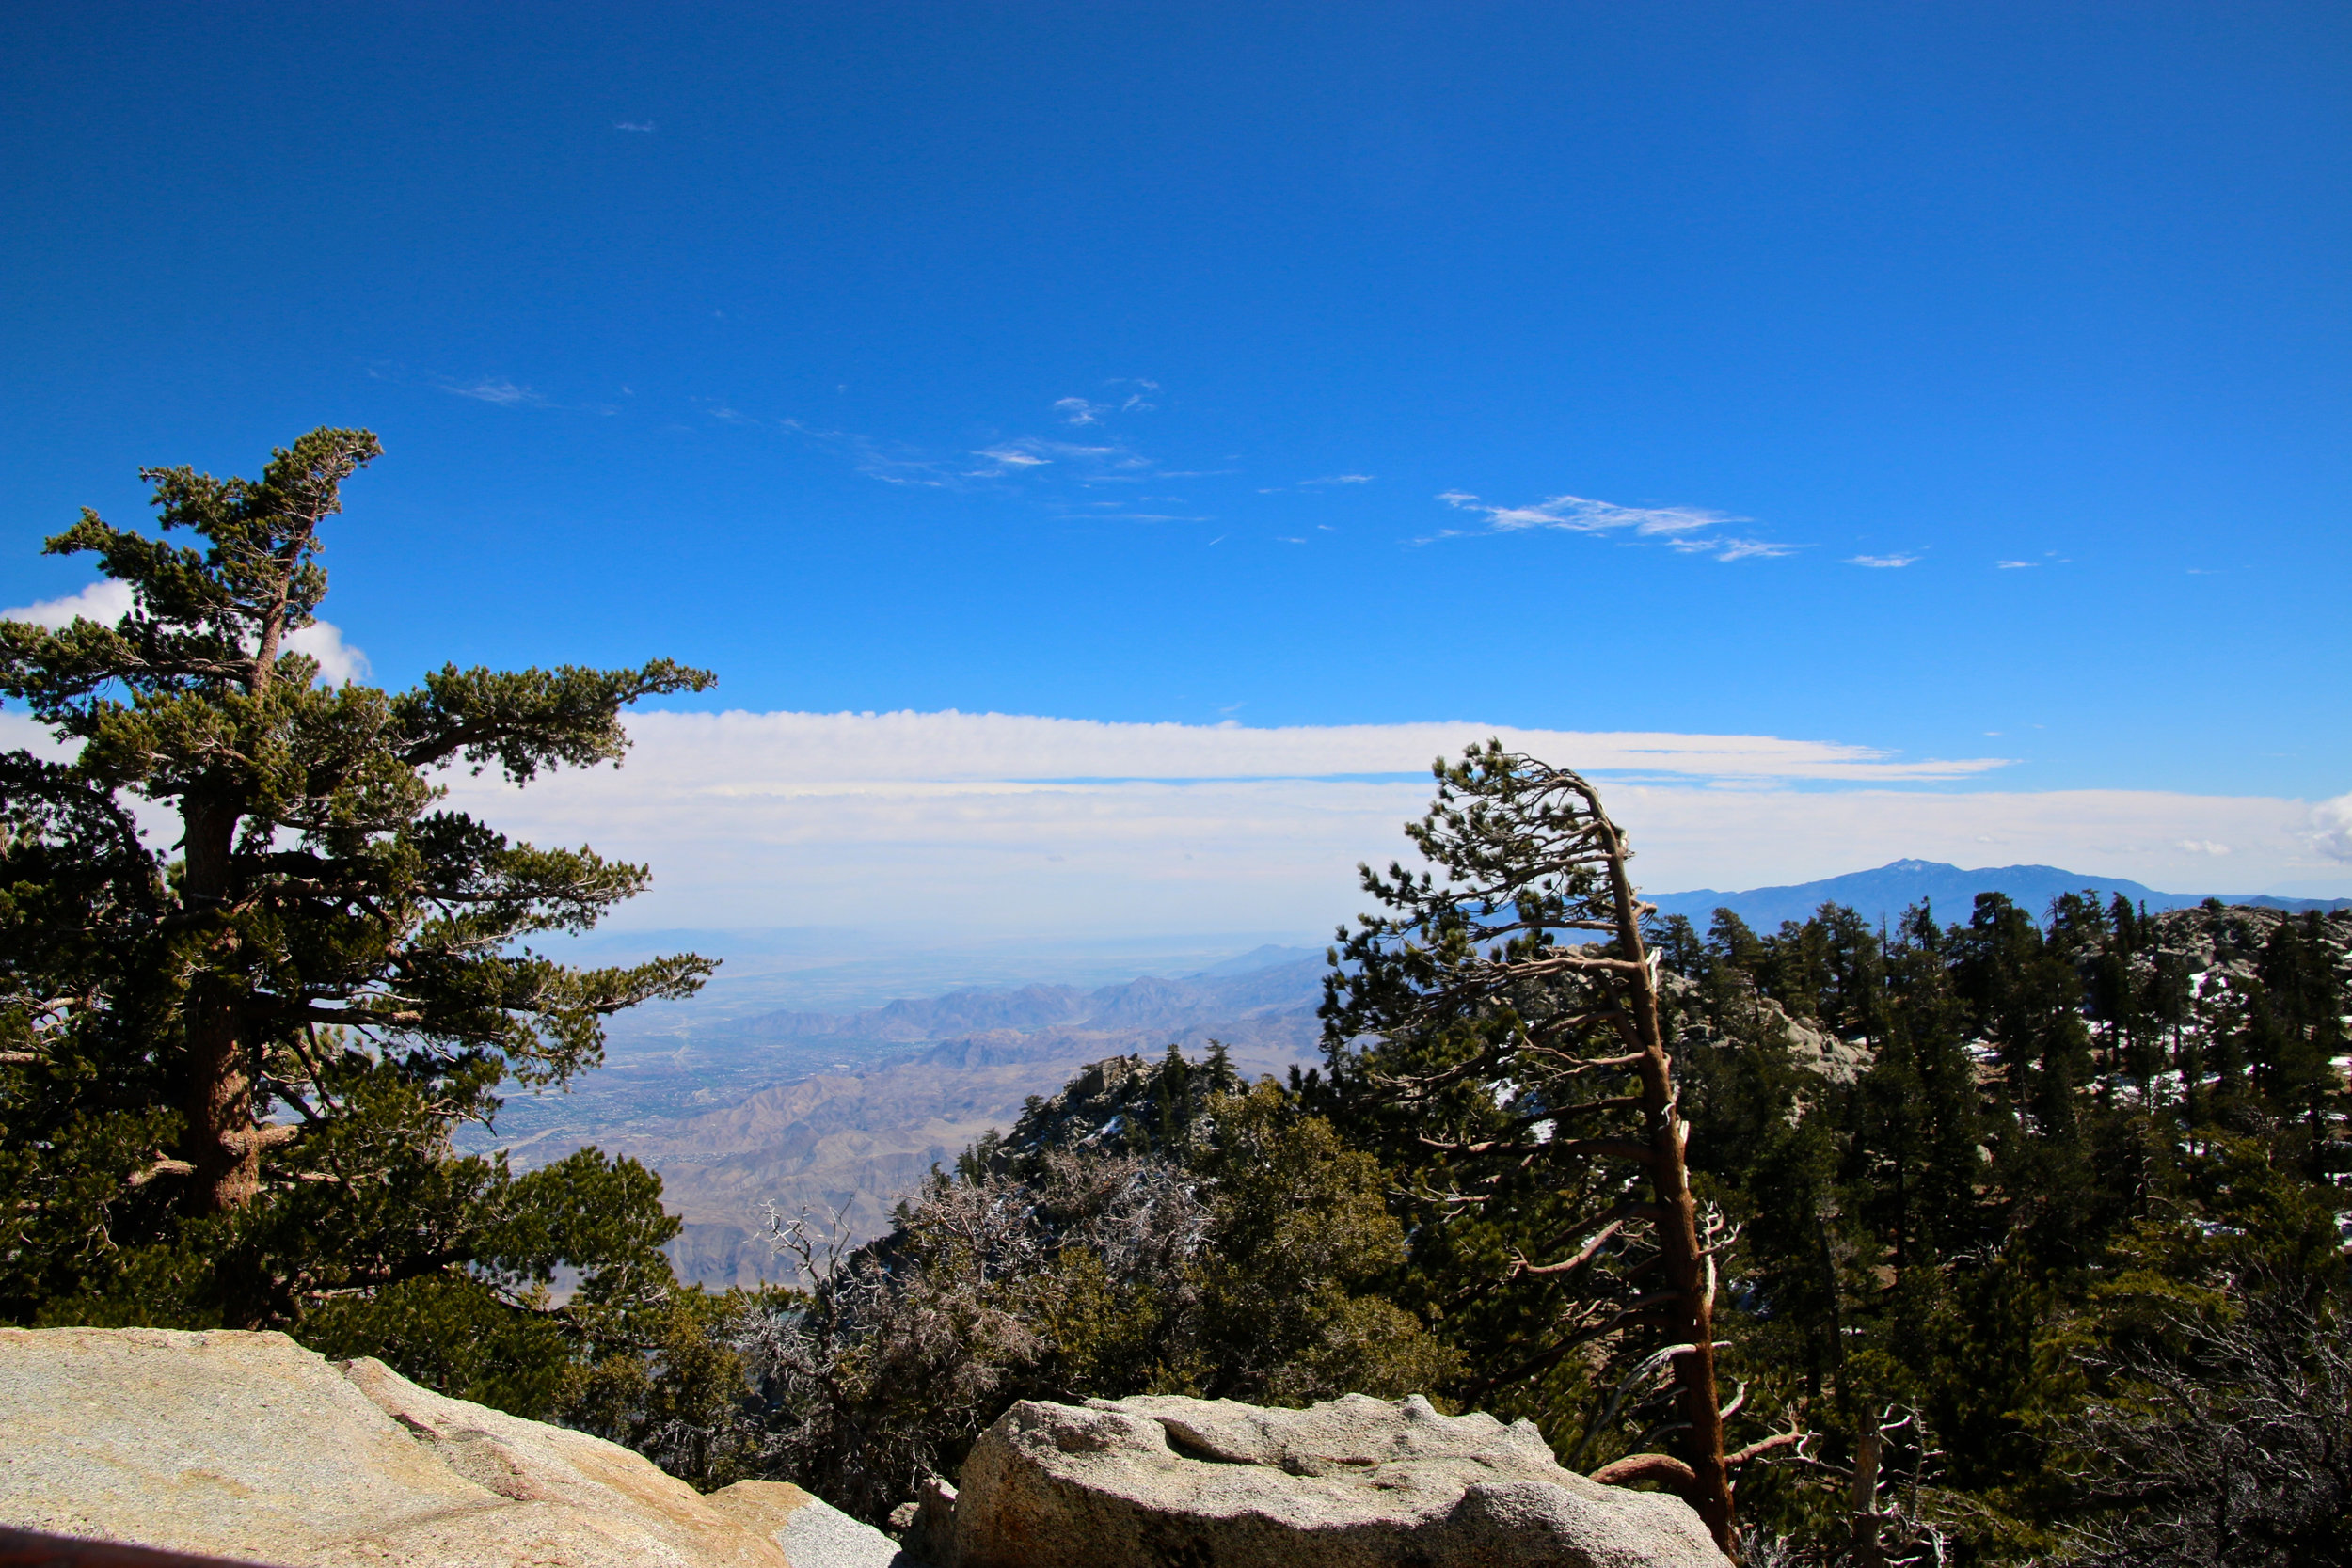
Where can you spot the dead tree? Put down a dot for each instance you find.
(2217, 1437)
(1501, 1018)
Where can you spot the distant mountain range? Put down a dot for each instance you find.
(1272, 977)
(843, 1112)
(1950, 892)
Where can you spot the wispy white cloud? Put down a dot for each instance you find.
(644, 125)
(493, 390)
(2014, 565)
(1734, 550)
(108, 601)
(1337, 479)
(1136, 401)
(1578, 515)
(1691, 530)
(1010, 823)
(1013, 457)
(1091, 461)
(1035, 466)
(1083, 411)
(891, 462)
(1022, 459)
(1884, 562)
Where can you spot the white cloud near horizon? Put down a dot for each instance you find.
(799, 749)
(1883, 562)
(1005, 824)
(1010, 824)
(107, 601)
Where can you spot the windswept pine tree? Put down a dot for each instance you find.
(1497, 1027)
(229, 1062)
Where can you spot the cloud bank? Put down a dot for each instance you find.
(994, 824)
(819, 749)
(966, 825)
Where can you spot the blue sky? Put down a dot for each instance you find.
(1560, 367)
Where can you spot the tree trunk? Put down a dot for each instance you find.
(217, 1101)
(1867, 1550)
(1687, 1271)
(216, 1084)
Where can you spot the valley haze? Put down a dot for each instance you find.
(829, 1070)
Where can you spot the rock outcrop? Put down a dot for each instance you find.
(247, 1446)
(1354, 1483)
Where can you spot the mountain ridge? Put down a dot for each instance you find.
(1147, 1002)
(1884, 892)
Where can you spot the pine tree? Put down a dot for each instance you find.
(229, 1070)
(1530, 1076)
(2296, 1030)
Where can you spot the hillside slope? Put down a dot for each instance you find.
(759, 1114)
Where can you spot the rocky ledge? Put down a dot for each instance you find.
(248, 1447)
(1354, 1483)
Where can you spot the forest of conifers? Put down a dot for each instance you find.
(2036, 1219)
(1997, 1236)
